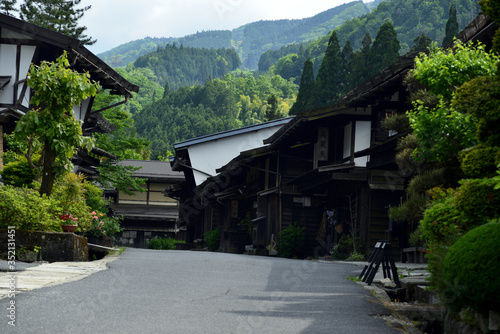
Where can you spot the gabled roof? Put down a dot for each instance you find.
(230, 133)
(153, 169)
(54, 43)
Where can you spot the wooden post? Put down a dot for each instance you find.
(1, 147)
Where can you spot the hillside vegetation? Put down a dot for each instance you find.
(249, 41)
(175, 103)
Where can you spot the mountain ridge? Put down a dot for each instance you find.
(249, 40)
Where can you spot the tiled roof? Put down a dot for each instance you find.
(152, 169)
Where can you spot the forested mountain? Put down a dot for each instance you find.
(358, 48)
(186, 66)
(221, 104)
(410, 19)
(129, 52)
(250, 40)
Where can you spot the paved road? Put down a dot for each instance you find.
(146, 291)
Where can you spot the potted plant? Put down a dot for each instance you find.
(69, 223)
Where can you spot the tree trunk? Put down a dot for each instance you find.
(48, 174)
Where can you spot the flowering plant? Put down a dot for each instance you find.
(68, 219)
(104, 225)
(96, 225)
(332, 217)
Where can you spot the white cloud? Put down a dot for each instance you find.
(115, 22)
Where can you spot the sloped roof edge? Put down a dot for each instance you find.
(108, 76)
(230, 133)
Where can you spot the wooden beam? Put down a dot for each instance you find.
(1, 147)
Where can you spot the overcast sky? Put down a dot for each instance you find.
(115, 22)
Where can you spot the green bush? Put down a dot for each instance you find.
(163, 243)
(479, 97)
(479, 161)
(19, 173)
(291, 241)
(212, 239)
(344, 249)
(25, 209)
(94, 197)
(441, 222)
(411, 210)
(471, 270)
(478, 202)
(473, 204)
(69, 191)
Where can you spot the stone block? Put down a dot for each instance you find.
(55, 246)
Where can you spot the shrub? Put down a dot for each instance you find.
(473, 204)
(291, 241)
(479, 161)
(19, 173)
(479, 97)
(356, 257)
(471, 270)
(344, 249)
(478, 201)
(441, 222)
(212, 239)
(95, 198)
(399, 123)
(25, 209)
(69, 191)
(411, 210)
(163, 243)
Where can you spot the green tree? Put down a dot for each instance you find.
(306, 90)
(57, 15)
(123, 142)
(385, 49)
(330, 74)
(272, 111)
(451, 29)
(360, 68)
(421, 43)
(442, 71)
(57, 88)
(8, 7)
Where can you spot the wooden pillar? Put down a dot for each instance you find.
(1, 147)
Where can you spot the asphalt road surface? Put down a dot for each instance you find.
(147, 291)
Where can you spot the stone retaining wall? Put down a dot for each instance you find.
(55, 246)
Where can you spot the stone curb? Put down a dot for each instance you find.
(49, 274)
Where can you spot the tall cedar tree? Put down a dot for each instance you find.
(57, 15)
(306, 91)
(329, 76)
(385, 49)
(347, 56)
(421, 43)
(8, 7)
(451, 29)
(360, 61)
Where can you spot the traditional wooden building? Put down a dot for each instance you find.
(23, 44)
(199, 159)
(335, 162)
(149, 213)
(336, 159)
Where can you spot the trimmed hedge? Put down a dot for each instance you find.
(291, 241)
(163, 243)
(471, 270)
(212, 239)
